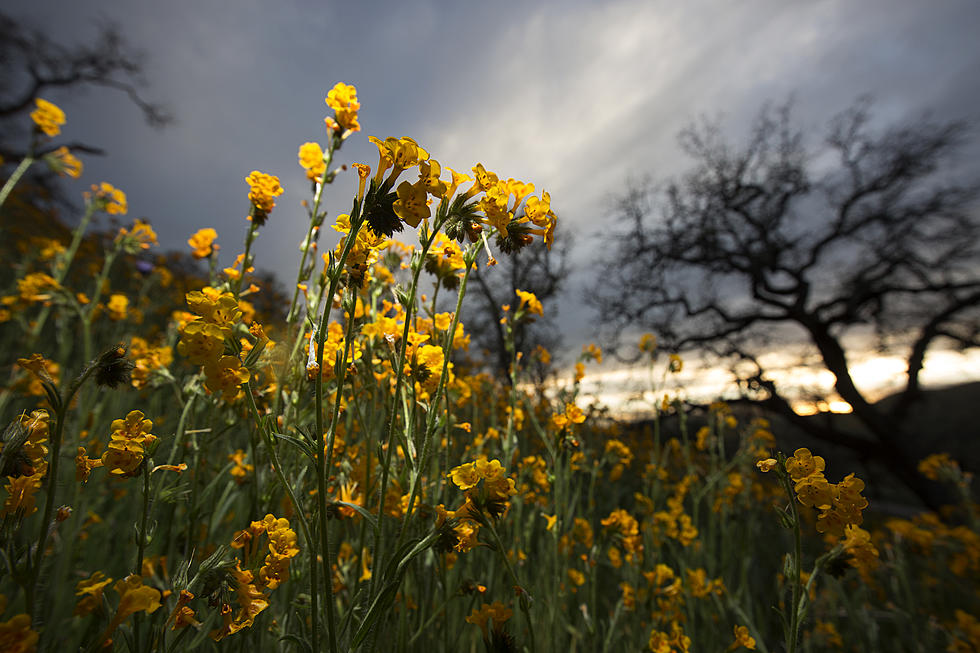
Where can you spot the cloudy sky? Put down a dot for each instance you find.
(574, 96)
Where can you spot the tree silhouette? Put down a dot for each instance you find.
(539, 270)
(32, 64)
(867, 233)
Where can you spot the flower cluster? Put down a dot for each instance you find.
(34, 287)
(529, 304)
(333, 345)
(503, 206)
(134, 597)
(571, 414)
(202, 242)
(839, 505)
(311, 158)
(140, 237)
(241, 469)
(127, 444)
(108, 198)
(147, 359)
(425, 365)
(63, 162)
(48, 117)
(251, 590)
(263, 191)
(16, 634)
(342, 98)
(445, 261)
(673, 642)
(942, 467)
(27, 465)
(364, 251)
(674, 522)
(202, 341)
(496, 637)
(282, 547)
(625, 531)
(488, 491)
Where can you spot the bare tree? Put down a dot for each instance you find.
(869, 232)
(31, 64)
(534, 269)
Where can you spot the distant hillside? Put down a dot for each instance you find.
(941, 420)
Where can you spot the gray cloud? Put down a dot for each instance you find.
(574, 96)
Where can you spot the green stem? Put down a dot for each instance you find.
(324, 463)
(61, 270)
(321, 336)
(15, 177)
(94, 302)
(297, 508)
(433, 413)
(65, 261)
(399, 370)
(42, 539)
(141, 545)
(315, 221)
(794, 623)
(524, 599)
(249, 238)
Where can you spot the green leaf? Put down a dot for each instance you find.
(384, 600)
(302, 445)
(14, 437)
(362, 511)
(296, 639)
(254, 354)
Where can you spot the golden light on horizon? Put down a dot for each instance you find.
(811, 408)
(630, 392)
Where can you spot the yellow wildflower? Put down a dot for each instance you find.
(766, 465)
(125, 451)
(225, 375)
(108, 198)
(133, 597)
(48, 117)
(241, 469)
(742, 638)
(311, 158)
(16, 635)
(84, 465)
(429, 172)
(497, 613)
(411, 205)
(34, 287)
(117, 307)
(263, 191)
(803, 464)
(863, 554)
(141, 236)
(648, 343)
(465, 476)
(21, 491)
(90, 590)
(342, 98)
(202, 242)
(63, 162)
(572, 415)
(529, 302)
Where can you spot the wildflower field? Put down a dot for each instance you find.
(193, 461)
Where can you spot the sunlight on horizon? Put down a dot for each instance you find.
(635, 391)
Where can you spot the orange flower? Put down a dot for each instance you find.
(202, 242)
(48, 117)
